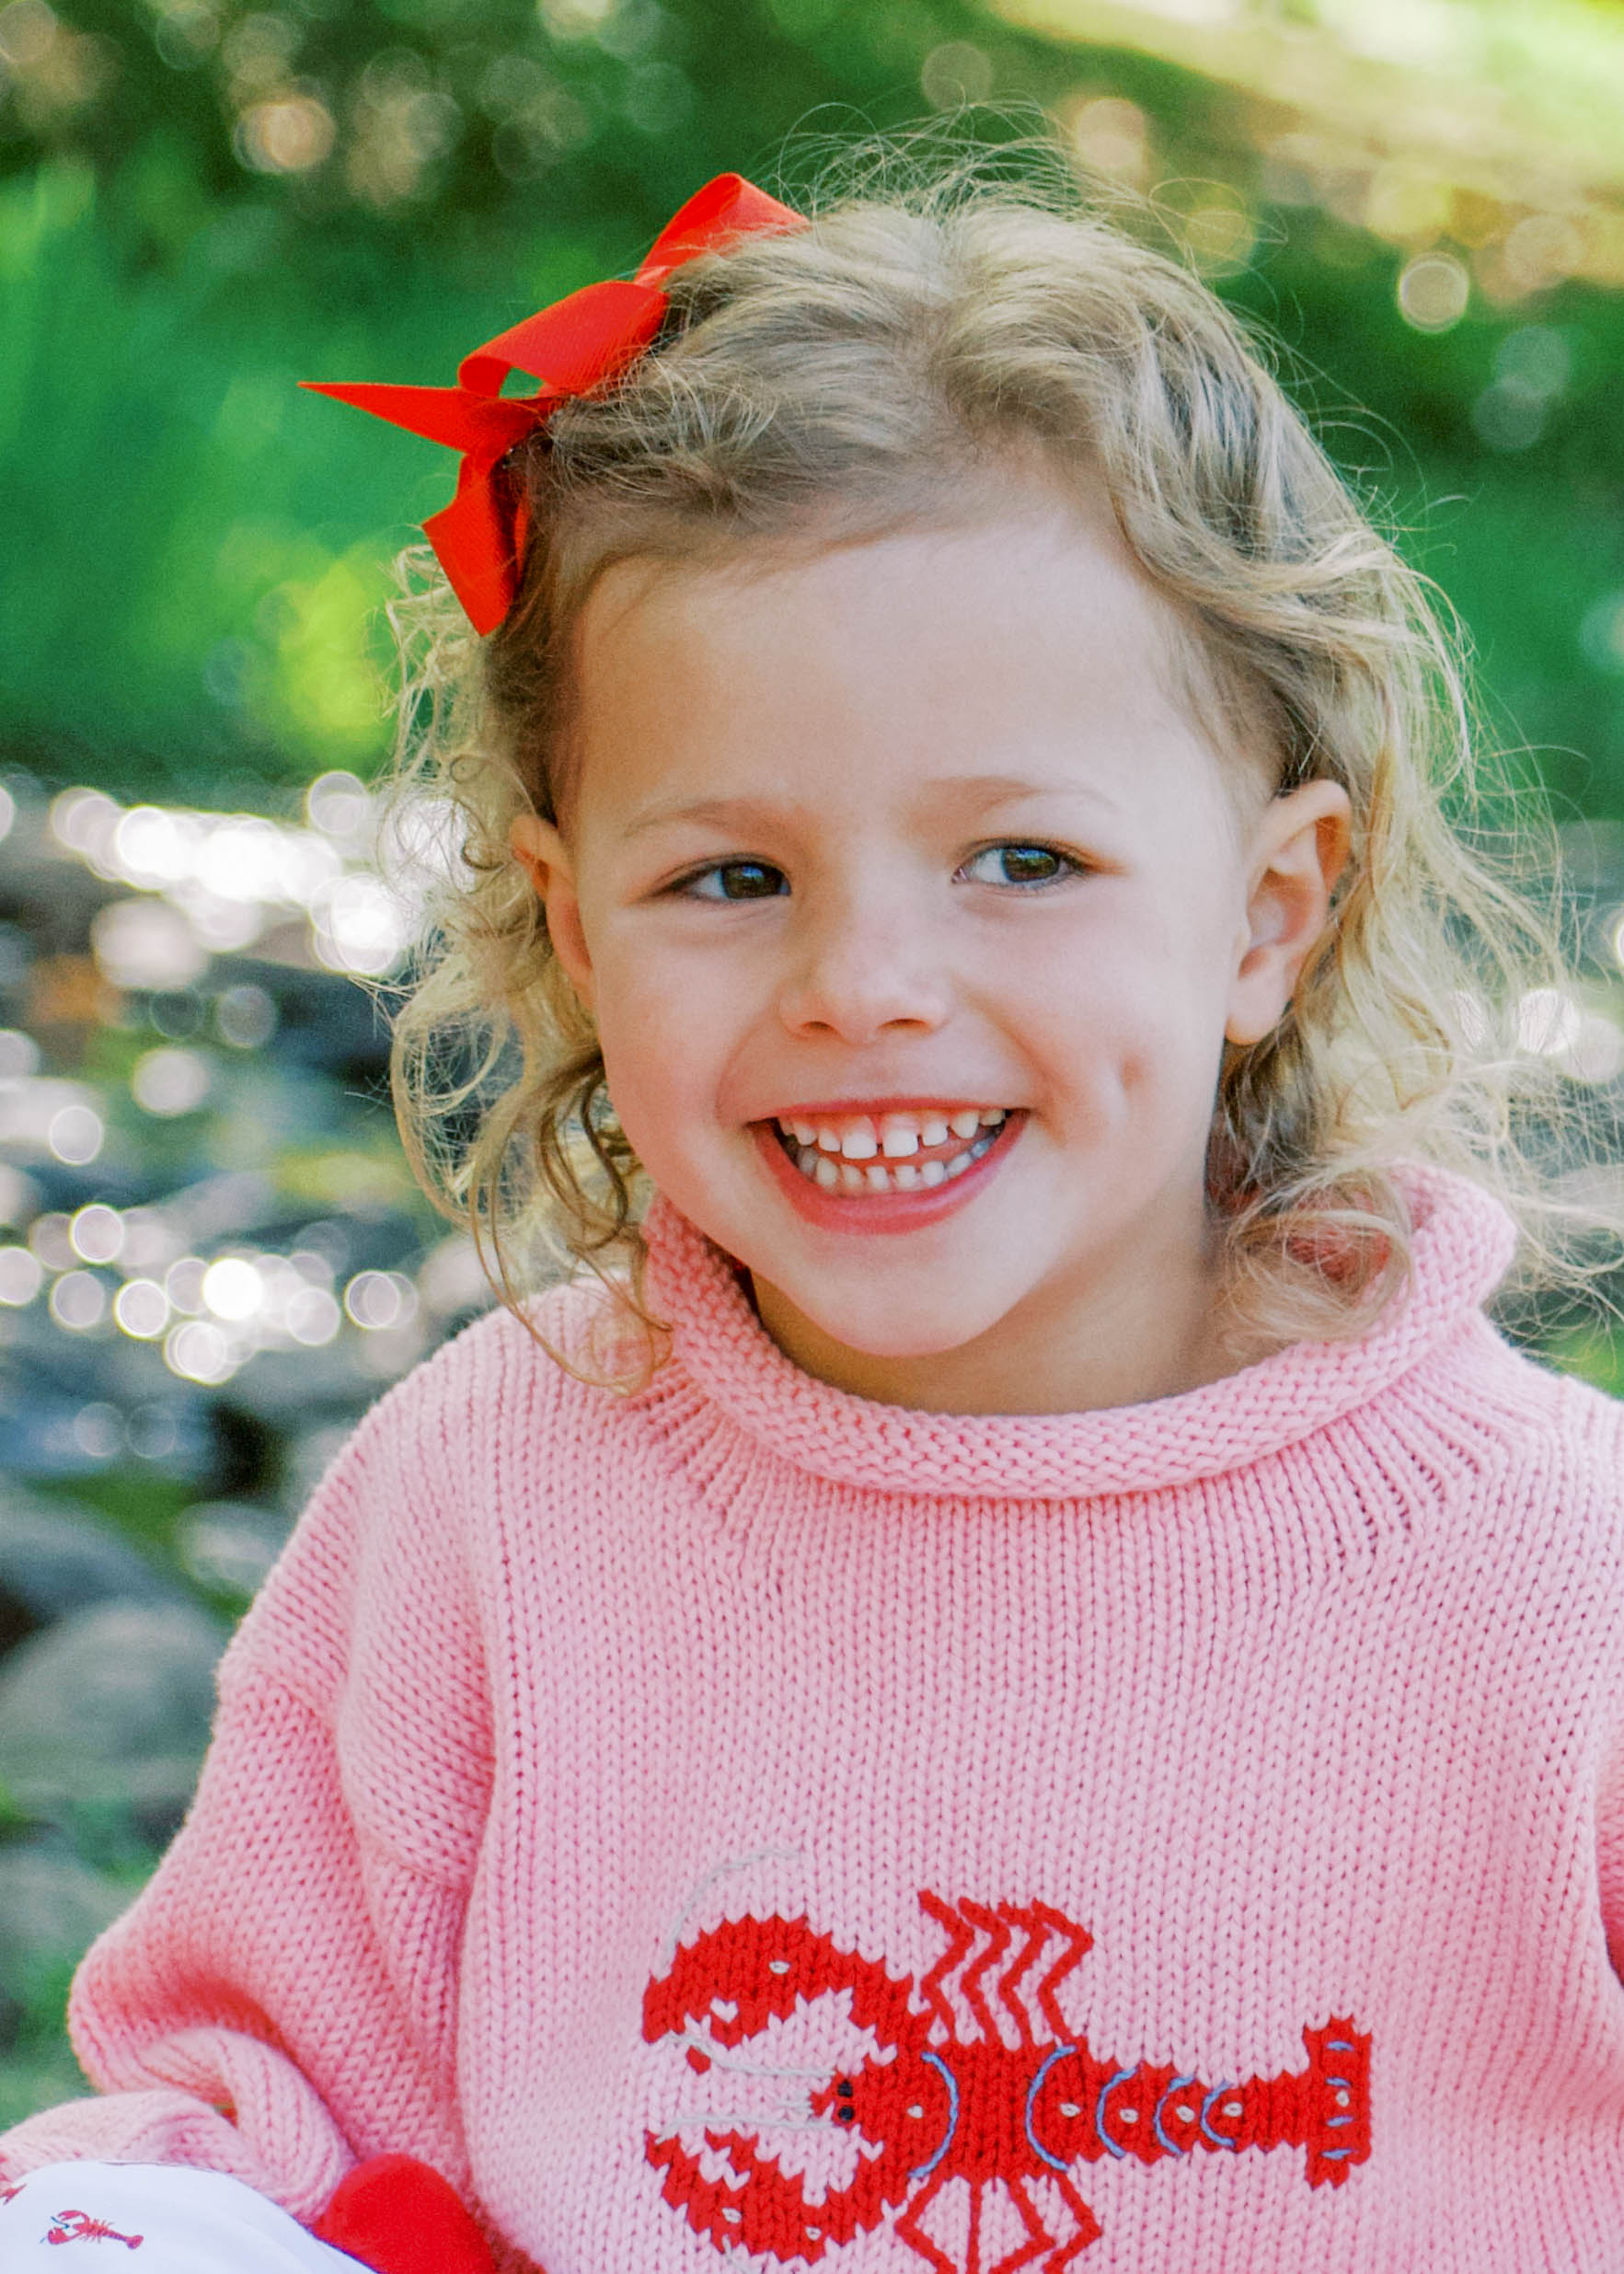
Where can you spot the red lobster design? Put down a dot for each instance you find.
(78, 2226)
(1009, 2107)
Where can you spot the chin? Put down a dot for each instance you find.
(900, 1338)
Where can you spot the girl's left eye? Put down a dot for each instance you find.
(736, 880)
(1018, 864)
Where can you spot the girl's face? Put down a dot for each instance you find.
(914, 908)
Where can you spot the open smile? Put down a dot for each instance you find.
(896, 1168)
(892, 1153)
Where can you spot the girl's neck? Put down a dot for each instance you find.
(1153, 1331)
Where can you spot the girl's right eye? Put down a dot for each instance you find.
(735, 880)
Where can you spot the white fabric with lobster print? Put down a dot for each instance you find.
(155, 2218)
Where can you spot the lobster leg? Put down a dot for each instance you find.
(1038, 2237)
(1088, 2228)
(911, 2233)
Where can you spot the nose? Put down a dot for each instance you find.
(865, 969)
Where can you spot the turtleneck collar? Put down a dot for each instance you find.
(1462, 1243)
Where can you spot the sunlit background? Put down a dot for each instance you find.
(212, 1257)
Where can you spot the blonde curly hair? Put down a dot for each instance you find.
(848, 379)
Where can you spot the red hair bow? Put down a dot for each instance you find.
(577, 345)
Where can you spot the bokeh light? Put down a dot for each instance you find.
(359, 926)
(19, 1054)
(145, 943)
(96, 1233)
(377, 1299)
(1547, 1022)
(140, 1309)
(80, 1300)
(51, 1239)
(197, 1351)
(313, 1317)
(956, 72)
(74, 1134)
(232, 1288)
(21, 1277)
(183, 1283)
(1433, 290)
(246, 1016)
(170, 1080)
(287, 137)
(98, 1430)
(1111, 136)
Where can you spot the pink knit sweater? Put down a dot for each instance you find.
(744, 1824)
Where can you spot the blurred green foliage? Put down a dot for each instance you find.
(204, 201)
(39, 2069)
(1527, 544)
(197, 544)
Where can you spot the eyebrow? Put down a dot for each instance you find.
(981, 792)
(717, 811)
(987, 790)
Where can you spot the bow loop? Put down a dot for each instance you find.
(726, 208)
(581, 342)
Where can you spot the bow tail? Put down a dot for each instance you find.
(478, 541)
(453, 415)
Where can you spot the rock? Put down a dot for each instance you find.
(55, 1560)
(109, 1709)
(51, 1908)
(229, 1545)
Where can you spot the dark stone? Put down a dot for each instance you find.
(109, 1711)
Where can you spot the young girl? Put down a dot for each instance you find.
(1032, 1683)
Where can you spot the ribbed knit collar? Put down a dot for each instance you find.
(1462, 1242)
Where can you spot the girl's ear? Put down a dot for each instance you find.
(1297, 853)
(542, 855)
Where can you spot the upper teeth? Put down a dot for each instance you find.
(860, 1137)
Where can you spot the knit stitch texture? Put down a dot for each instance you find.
(740, 1823)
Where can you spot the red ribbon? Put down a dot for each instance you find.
(576, 345)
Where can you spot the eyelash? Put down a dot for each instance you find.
(1068, 865)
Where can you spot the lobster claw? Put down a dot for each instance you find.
(740, 1974)
(731, 1982)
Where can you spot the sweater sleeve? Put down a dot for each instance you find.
(281, 2000)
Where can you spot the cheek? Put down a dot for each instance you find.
(648, 1080)
(1135, 1015)
(665, 1042)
